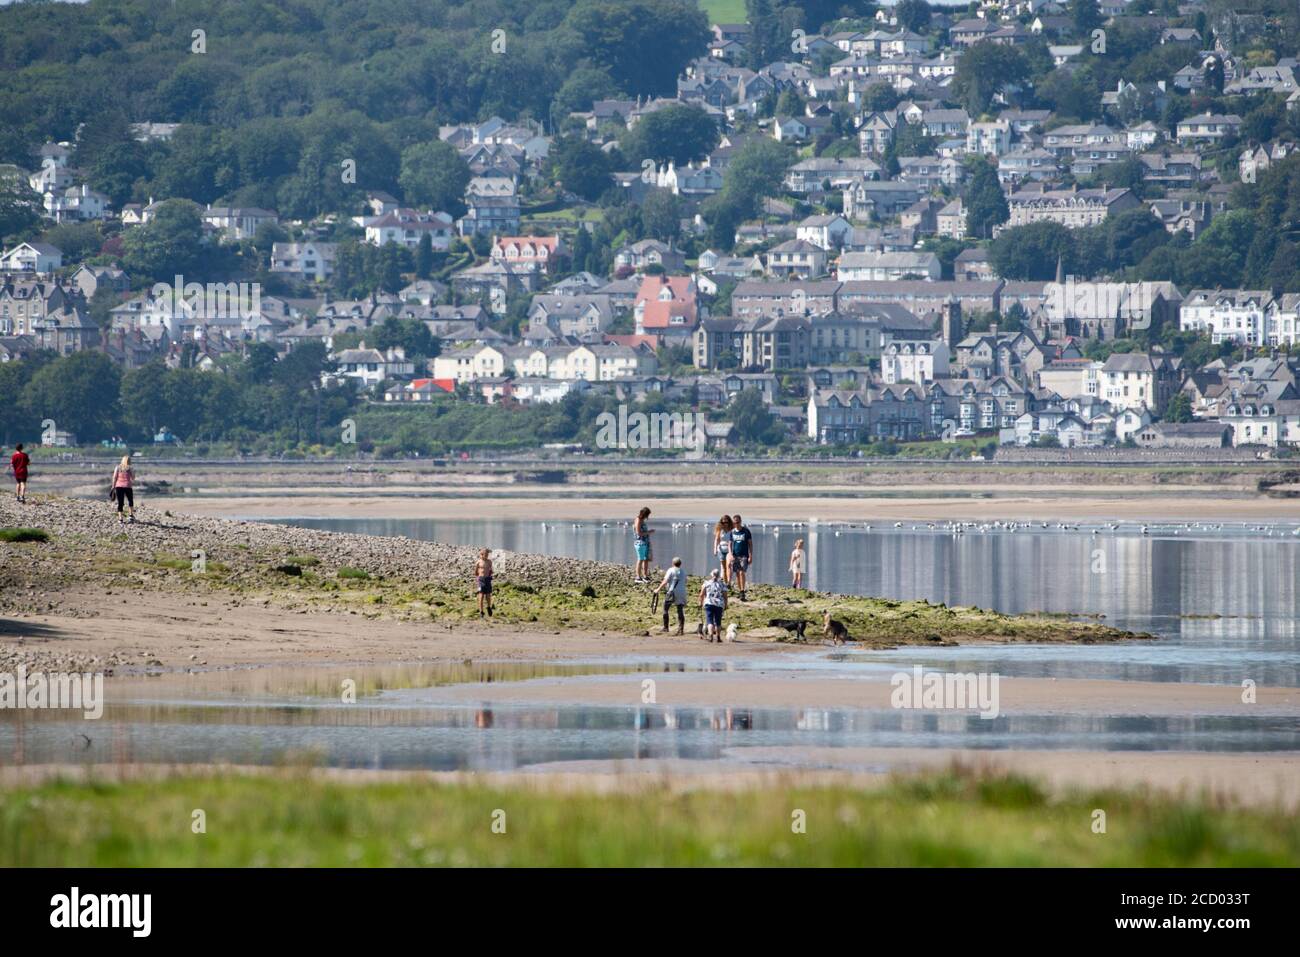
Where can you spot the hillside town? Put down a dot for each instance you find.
(883, 234)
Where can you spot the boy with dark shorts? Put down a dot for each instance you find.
(483, 582)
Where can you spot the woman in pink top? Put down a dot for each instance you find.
(122, 490)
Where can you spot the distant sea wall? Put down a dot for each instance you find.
(1161, 456)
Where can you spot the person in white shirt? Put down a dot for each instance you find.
(713, 599)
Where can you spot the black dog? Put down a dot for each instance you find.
(790, 625)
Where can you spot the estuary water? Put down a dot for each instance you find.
(1221, 599)
(1224, 599)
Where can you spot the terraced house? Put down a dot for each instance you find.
(767, 342)
(1072, 208)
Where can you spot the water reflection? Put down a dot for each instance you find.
(504, 737)
(1223, 598)
(1222, 576)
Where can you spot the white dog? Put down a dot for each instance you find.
(731, 632)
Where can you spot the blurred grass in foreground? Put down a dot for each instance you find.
(950, 819)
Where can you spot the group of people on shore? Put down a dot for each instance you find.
(733, 546)
(121, 487)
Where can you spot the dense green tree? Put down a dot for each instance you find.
(1131, 235)
(679, 133)
(1214, 74)
(913, 15)
(1032, 251)
(754, 424)
(18, 423)
(143, 399)
(20, 207)
(1179, 408)
(642, 45)
(1070, 94)
(434, 176)
(1086, 17)
(349, 277)
(79, 393)
(985, 70)
(769, 38)
(424, 257)
(77, 241)
(986, 204)
(756, 173)
(580, 167)
(583, 87)
(117, 169)
(189, 165)
(171, 243)
(661, 214)
(880, 96)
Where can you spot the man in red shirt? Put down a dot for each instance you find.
(18, 463)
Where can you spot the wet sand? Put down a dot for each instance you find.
(174, 628)
(749, 689)
(183, 632)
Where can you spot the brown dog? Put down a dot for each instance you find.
(834, 630)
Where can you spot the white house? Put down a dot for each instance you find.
(371, 366)
(309, 260)
(238, 223)
(1226, 315)
(989, 137)
(1208, 128)
(475, 362)
(36, 258)
(1129, 422)
(1136, 380)
(76, 204)
(407, 226)
(827, 231)
(889, 267)
(914, 360)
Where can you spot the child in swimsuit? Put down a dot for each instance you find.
(483, 582)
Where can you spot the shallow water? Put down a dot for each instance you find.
(401, 719)
(1224, 598)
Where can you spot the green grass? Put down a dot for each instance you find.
(950, 819)
(346, 572)
(724, 11)
(16, 535)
